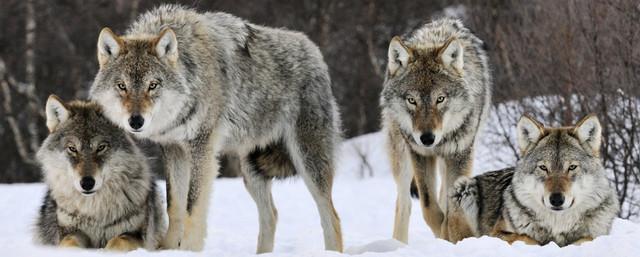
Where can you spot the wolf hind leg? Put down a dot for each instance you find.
(313, 159)
(259, 187)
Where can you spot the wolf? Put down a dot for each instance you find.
(207, 84)
(101, 192)
(558, 191)
(436, 94)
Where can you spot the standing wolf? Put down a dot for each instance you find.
(203, 84)
(100, 189)
(558, 192)
(436, 95)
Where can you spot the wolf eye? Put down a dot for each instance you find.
(411, 100)
(153, 85)
(101, 148)
(542, 167)
(440, 99)
(121, 86)
(572, 167)
(72, 149)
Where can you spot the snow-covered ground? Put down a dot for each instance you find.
(365, 205)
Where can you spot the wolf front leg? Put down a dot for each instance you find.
(455, 166)
(424, 169)
(204, 169)
(177, 170)
(402, 174)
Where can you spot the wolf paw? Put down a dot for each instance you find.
(123, 243)
(71, 241)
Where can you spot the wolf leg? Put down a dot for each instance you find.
(203, 171)
(314, 161)
(455, 166)
(462, 210)
(583, 240)
(177, 169)
(124, 243)
(402, 174)
(259, 188)
(424, 171)
(75, 240)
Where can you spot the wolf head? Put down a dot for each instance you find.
(139, 84)
(425, 91)
(84, 150)
(560, 168)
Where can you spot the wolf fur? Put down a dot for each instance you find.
(436, 95)
(122, 210)
(206, 84)
(518, 203)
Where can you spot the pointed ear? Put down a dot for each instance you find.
(399, 55)
(589, 132)
(166, 45)
(451, 54)
(529, 132)
(56, 112)
(109, 45)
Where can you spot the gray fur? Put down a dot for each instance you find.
(126, 203)
(440, 59)
(514, 195)
(236, 87)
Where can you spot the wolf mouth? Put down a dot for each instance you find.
(88, 193)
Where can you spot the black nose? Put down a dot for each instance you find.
(87, 183)
(428, 138)
(556, 199)
(136, 121)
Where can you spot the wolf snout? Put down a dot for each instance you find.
(556, 200)
(136, 121)
(428, 138)
(87, 183)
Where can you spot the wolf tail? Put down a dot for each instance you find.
(464, 198)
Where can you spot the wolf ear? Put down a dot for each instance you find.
(56, 111)
(166, 45)
(399, 55)
(529, 132)
(451, 54)
(589, 132)
(109, 45)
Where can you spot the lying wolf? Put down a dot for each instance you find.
(558, 192)
(100, 189)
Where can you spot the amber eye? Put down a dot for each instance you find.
(72, 149)
(121, 86)
(542, 167)
(411, 100)
(440, 99)
(153, 85)
(572, 167)
(101, 148)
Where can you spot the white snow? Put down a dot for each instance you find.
(365, 204)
